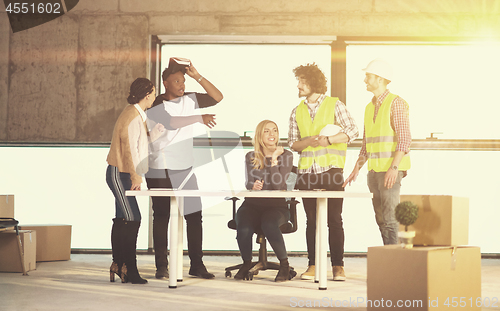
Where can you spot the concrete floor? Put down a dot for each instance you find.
(83, 284)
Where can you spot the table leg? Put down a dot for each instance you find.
(180, 239)
(316, 249)
(321, 216)
(150, 226)
(173, 254)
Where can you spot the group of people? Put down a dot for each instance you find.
(153, 136)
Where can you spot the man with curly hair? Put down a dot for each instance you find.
(322, 156)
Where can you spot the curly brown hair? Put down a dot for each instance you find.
(313, 75)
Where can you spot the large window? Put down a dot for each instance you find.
(451, 88)
(256, 79)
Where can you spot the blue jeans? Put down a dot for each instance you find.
(126, 207)
(384, 204)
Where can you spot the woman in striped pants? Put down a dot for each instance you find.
(128, 160)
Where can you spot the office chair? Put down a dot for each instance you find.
(289, 227)
(7, 223)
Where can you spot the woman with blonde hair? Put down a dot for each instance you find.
(267, 168)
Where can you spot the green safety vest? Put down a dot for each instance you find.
(333, 155)
(381, 139)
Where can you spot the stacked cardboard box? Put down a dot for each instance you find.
(11, 243)
(38, 242)
(10, 260)
(7, 206)
(436, 273)
(442, 220)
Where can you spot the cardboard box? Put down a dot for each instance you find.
(442, 220)
(53, 241)
(424, 278)
(7, 206)
(9, 251)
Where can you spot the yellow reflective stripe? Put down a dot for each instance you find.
(381, 139)
(381, 147)
(324, 151)
(323, 161)
(384, 155)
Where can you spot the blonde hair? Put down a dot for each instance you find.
(258, 160)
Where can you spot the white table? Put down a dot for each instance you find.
(176, 221)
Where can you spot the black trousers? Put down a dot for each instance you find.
(161, 215)
(329, 180)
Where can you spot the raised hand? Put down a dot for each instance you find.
(192, 72)
(279, 151)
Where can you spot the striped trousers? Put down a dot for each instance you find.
(126, 207)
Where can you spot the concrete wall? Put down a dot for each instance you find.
(67, 80)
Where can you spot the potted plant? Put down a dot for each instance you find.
(406, 214)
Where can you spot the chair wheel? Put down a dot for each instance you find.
(228, 274)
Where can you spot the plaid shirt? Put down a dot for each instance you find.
(400, 122)
(342, 118)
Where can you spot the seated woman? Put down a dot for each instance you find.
(267, 168)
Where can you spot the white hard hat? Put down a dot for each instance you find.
(329, 130)
(380, 68)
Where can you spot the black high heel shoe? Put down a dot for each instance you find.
(131, 275)
(283, 272)
(243, 272)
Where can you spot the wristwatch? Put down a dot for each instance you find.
(395, 167)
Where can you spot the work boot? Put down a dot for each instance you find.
(338, 273)
(161, 273)
(309, 274)
(201, 272)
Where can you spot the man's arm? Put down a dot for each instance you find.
(362, 158)
(391, 175)
(400, 121)
(349, 130)
(158, 115)
(211, 90)
(302, 144)
(182, 121)
(355, 172)
(295, 142)
(346, 121)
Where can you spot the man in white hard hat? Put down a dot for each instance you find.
(322, 150)
(386, 147)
